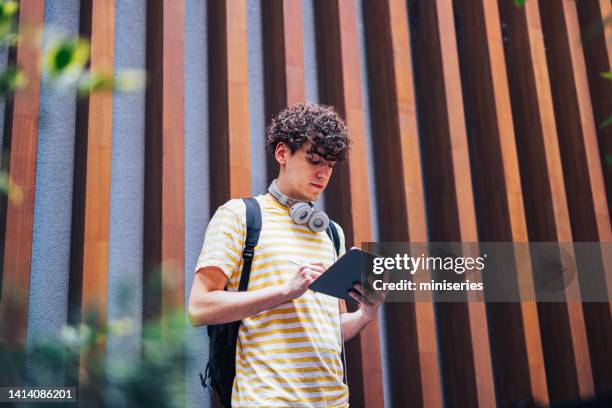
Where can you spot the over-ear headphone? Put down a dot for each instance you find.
(301, 212)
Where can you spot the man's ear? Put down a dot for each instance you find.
(281, 152)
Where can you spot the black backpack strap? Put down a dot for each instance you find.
(253, 224)
(332, 232)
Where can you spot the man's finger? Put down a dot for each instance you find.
(371, 294)
(359, 297)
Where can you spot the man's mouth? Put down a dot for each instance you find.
(319, 186)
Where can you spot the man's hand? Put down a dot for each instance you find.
(306, 274)
(369, 300)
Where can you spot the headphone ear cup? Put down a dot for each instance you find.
(318, 221)
(300, 213)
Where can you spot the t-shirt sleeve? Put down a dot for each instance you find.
(223, 241)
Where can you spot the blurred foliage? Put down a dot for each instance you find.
(65, 62)
(15, 193)
(156, 378)
(8, 22)
(10, 79)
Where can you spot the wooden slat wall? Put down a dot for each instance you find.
(562, 327)
(519, 364)
(598, 57)
(485, 127)
(340, 86)
(584, 183)
(20, 144)
(411, 330)
(462, 327)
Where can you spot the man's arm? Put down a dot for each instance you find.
(353, 323)
(210, 304)
(369, 303)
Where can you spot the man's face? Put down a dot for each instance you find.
(305, 173)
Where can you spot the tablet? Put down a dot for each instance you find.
(340, 277)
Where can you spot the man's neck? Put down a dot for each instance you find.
(283, 186)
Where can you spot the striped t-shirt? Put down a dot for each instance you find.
(289, 355)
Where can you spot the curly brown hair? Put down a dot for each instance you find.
(310, 122)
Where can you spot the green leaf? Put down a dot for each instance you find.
(519, 3)
(606, 122)
(607, 75)
(66, 59)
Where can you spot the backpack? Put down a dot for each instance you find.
(221, 367)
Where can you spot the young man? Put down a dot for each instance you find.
(289, 344)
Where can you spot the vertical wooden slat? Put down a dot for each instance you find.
(597, 49)
(411, 334)
(228, 101)
(91, 194)
(519, 365)
(164, 150)
(97, 184)
(284, 60)
(585, 188)
(21, 164)
(462, 326)
(340, 86)
(563, 333)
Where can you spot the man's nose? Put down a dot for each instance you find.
(323, 171)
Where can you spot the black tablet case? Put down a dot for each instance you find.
(339, 278)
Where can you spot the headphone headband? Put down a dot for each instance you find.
(283, 199)
(301, 212)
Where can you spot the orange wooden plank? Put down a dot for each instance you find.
(229, 104)
(284, 60)
(99, 144)
(173, 180)
(22, 172)
(411, 334)
(340, 86)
